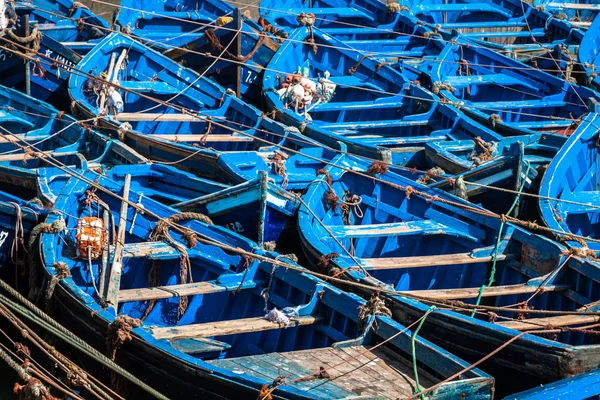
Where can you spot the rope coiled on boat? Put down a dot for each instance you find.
(160, 233)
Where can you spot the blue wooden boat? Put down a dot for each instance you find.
(506, 94)
(383, 234)
(207, 334)
(588, 54)
(366, 105)
(33, 130)
(70, 23)
(165, 111)
(257, 209)
(584, 386)
(572, 176)
(461, 155)
(49, 70)
(402, 39)
(204, 36)
(291, 14)
(510, 24)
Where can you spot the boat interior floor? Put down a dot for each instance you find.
(353, 371)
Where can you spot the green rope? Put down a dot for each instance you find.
(37, 316)
(414, 353)
(495, 255)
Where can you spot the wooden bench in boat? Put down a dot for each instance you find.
(428, 261)
(425, 227)
(494, 291)
(209, 138)
(159, 117)
(460, 7)
(232, 327)
(550, 322)
(188, 289)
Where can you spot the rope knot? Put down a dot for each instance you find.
(306, 19)
(409, 190)
(374, 306)
(119, 332)
(377, 168)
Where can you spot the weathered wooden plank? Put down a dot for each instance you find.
(232, 327)
(428, 261)
(389, 229)
(209, 138)
(494, 291)
(134, 117)
(114, 281)
(188, 289)
(146, 249)
(554, 322)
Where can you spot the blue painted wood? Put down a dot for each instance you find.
(327, 13)
(256, 209)
(522, 106)
(580, 387)
(372, 116)
(572, 175)
(49, 85)
(188, 364)
(177, 30)
(398, 252)
(588, 53)
(59, 21)
(234, 125)
(583, 11)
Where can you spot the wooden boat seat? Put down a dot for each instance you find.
(574, 6)
(188, 289)
(536, 32)
(554, 322)
(488, 25)
(494, 291)
(386, 102)
(428, 261)
(558, 123)
(20, 156)
(459, 7)
(497, 79)
(514, 105)
(232, 327)
(158, 117)
(397, 141)
(191, 15)
(9, 117)
(157, 87)
(425, 227)
(340, 12)
(209, 138)
(394, 123)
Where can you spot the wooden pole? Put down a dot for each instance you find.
(114, 282)
(28, 63)
(111, 66)
(105, 254)
(238, 88)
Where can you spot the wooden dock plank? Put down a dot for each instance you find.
(231, 327)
